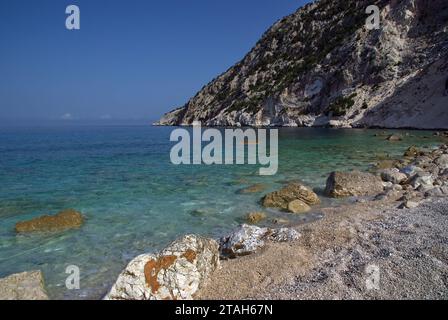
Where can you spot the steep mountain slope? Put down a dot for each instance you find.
(321, 66)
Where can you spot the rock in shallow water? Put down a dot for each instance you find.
(67, 219)
(298, 206)
(256, 188)
(248, 239)
(176, 273)
(255, 217)
(354, 183)
(23, 286)
(294, 191)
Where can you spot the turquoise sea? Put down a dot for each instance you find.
(135, 201)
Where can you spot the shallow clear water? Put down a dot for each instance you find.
(136, 201)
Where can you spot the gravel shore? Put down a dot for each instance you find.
(370, 250)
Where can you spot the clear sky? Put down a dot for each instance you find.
(133, 59)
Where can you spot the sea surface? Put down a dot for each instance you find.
(135, 201)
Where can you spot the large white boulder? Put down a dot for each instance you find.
(176, 273)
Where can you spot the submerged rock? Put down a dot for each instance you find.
(354, 183)
(248, 239)
(23, 286)
(256, 188)
(394, 137)
(176, 273)
(67, 219)
(294, 191)
(255, 217)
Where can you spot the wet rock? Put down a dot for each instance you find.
(256, 188)
(248, 239)
(279, 221)
(176, 273)
(393, 175)
(394, 137)
(67, 219)
(294, 191)
(23, 286)
(298, 206)
(387, 164)
(412, 152)
(255, 217)
(354, 183)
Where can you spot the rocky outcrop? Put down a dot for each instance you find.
(355, 183)
(294, 191)
(321, 66)
(67, 219)
(176, 273)
(23, 286)
(248, 239)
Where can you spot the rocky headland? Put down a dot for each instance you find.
(321, 66)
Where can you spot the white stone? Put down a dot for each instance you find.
(176, 273)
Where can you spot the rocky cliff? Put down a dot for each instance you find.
(321, 66)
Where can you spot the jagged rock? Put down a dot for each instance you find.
(298, 206)
(255, 217)
(248, 239)
(176, 273)
(393, 175)
(294, 191)
(23, 286)
(355, 183)
(67, 219)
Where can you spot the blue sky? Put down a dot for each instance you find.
(133, 59)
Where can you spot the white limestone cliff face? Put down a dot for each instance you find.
(321, 67)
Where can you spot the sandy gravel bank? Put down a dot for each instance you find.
(337, 257)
